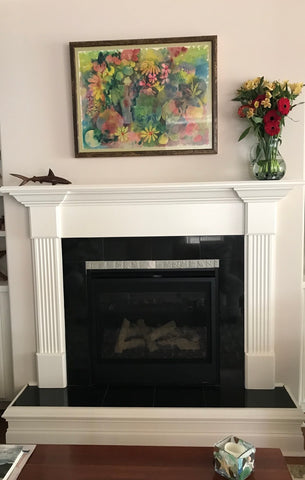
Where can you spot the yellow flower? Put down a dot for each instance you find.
(284, 84)
(122, 133)
(268, 94)
(158, 86)
(296, 88)
(149, 134)
(256, 104)
(250, 112)
(269, 85)
(248, 85)
(266, 103)
(149, 66)
(108, 72)
(251, 84)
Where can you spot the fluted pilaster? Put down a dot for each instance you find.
(50, 323)
(259, 324)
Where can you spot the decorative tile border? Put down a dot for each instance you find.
(152, 264)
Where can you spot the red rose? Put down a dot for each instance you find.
(272, 116)
(272, 128)
(283, 105)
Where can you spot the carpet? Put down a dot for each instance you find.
(297, 472)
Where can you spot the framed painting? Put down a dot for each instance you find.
(145, 97)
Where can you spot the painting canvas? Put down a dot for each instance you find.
(148, 97)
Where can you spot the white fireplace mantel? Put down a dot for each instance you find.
(214, 208)
(31, 195)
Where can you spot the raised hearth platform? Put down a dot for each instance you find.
(267, 418)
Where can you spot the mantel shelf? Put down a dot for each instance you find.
(163, 193)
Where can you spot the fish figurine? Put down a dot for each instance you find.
(50, 178)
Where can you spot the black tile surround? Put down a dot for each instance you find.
(192, 397)
(228, 249)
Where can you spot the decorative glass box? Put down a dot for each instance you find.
(234, 458)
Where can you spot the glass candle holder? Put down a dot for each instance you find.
(234, 458)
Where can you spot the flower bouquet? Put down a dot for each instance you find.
(266, 105)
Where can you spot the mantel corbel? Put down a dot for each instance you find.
(264, 192)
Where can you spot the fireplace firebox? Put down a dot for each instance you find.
(154, 326)
(154, 310)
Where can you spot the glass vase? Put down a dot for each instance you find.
(266, 161)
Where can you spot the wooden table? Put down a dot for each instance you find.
(95, 462)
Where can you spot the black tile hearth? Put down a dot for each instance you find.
(85, 396)
(154, 396)
(236, 397)
(225, 397)
(180, 397)
(267, 398)
(121, 396)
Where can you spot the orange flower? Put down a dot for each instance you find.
(97, 88)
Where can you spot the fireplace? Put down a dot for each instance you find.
(175, 320)
(245, 209)
(63, 219)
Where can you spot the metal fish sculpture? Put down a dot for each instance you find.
(50, 178)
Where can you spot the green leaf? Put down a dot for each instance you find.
(127, 70)
(116, 94)
(257, 119)
(119, 76)
(244, 134)
(292, 106)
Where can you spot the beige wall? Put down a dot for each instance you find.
(254, 38)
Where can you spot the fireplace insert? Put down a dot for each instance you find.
(154, 326)
(211, 297)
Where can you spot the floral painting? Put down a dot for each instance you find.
(151, 97)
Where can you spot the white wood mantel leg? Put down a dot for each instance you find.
(50, 319)
(259, 324)
(260, 224)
